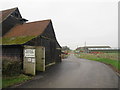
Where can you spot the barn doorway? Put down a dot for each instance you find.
(34, 59)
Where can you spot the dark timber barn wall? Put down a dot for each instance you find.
(12, 51)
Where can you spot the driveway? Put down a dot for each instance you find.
(75, 73)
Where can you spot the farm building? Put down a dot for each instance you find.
(88, 49)
(106, 50)
(17, 34)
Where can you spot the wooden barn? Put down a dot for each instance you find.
(17, 34)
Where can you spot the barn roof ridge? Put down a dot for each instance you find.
(37, 21)
(9, 9)
(5, 13)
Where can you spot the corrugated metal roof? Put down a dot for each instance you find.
(4, 14)
(97, 46)
(21, 34)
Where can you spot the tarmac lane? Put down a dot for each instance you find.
(74, 72)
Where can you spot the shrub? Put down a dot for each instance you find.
(11, 66)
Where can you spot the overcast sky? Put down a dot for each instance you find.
(75, 21)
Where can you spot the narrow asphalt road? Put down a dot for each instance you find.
(75, 73)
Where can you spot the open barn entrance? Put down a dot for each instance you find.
(34, 59)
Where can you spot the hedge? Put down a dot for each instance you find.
(11, 66)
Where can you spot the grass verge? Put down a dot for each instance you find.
(114, 63)
(10, 81)
(0, 82)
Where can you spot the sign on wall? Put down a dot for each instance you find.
(29, 52)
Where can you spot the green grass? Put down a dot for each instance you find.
(9, 81)
(107, 60)
(0, 82)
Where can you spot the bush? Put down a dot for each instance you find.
(63, 56)
(11, 66)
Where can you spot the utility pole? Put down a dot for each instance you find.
(77, 46)
(85, 43)
(85, 47)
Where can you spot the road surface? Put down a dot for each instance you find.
(75, 73)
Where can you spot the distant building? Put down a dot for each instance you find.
(87, 49)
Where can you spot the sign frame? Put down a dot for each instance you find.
(29, 53)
